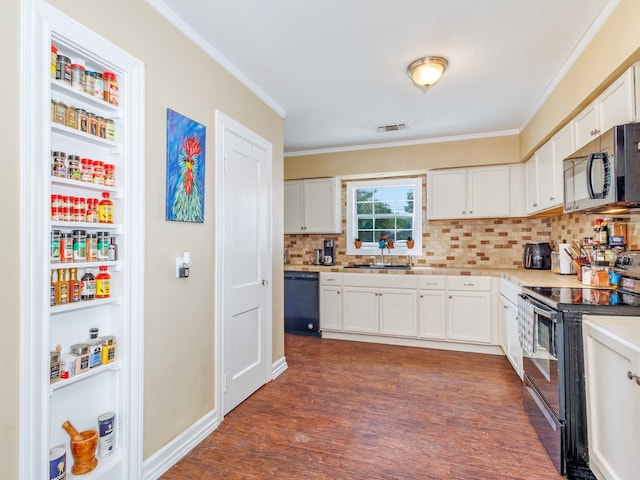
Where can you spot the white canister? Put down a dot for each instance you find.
(586, 274)
(565, 259)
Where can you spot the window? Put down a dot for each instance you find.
(384, 207)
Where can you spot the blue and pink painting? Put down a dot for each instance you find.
(185, 168)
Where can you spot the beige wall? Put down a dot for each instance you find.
(179, 315)
(403, 160)
(10, 240)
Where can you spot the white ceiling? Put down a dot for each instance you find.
(336, 69)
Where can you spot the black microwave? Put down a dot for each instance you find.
(604, 175)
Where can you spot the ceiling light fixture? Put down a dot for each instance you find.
(426, 71)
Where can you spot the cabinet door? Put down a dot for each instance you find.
(446, 197)
(616, 103)
(330, 308)
(509, 339)
(488, 192)
(360, 310)
(586, 125)
(469, 317)
(322, 206)
(546, 176)
(531, 184)
(431, 306)
(613, 404)
(294, 206)
(398, 312)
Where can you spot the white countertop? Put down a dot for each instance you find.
(626, 329)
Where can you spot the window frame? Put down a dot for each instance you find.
(351, 226)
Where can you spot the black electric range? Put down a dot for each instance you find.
(558, 313)
(598, 301)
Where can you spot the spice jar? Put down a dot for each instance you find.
(63, 69)
(82, 119)
(79, 245)
(109, 175)
(92, 123)
(59, 164)
(102, 127)
(59, 112)
(89, 82)
(54, 60)
(81, 352)
(95, 347)
(77, 76)
(110, 88)
(98, 91)
(108, 349)
(103, 246)
(92, 247)
(66, 247)
(73, 167)
(55, 246)
(98, 172)
(67, 365)
(86, 170)
(71, 117)
(92, 210)
(54, 366)
(88, 286)
(110, 129)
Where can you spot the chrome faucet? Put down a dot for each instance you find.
(383, 244)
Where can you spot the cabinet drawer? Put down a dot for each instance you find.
(330, 278)
(432, 282)
(381, 280)
(509, 290)
(469, 283)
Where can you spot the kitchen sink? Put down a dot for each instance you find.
(368, 266)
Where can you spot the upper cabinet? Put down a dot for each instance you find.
(615, 106)
(543, 172)
(312, 206)
(477, 192)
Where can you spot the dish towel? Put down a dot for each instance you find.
(526, 326)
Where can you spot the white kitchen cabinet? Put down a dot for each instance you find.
(508, 320)
(382, 304)
(477, 192)
(612, 387)
(313, 206)
(544, 173)
(115, 386)
(469, 309)
(330, 301)
(432, 307)
(614, 106)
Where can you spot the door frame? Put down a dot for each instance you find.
(223, 124)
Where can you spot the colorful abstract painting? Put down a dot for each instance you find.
(185, 168)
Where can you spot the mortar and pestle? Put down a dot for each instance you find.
(83, 449)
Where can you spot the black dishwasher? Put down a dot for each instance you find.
(301, 305)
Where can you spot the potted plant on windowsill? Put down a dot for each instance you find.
(410, 242)
(357, 242)
(390, 244)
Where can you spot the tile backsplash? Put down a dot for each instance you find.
(470, 243)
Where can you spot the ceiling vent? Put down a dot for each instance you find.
(392, 128)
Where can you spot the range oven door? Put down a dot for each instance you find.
(542, 366)
(547, 425)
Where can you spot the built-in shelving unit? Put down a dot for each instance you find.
(110, 387)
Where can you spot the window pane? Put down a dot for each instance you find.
(364, 208)
(365, 224)
(404, 223)
(403, 234)
(385, 223)
(366, 236)
(364, 194)
(381, 208)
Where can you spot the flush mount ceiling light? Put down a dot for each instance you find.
(426, 71)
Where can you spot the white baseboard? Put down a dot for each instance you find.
(278, 367)
(165, 458)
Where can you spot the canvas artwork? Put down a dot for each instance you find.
(185, 169)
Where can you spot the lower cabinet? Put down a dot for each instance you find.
(380, 308)
(612, 387)
(456, 309)
(508, 323)
(330, 301)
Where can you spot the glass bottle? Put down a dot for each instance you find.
(62, 288)
(74, 286)
(103, 283)
(88, 286)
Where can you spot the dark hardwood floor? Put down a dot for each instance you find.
(351, 410)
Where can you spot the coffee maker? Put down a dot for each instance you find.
(329, 252)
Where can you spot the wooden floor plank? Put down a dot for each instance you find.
(351, 410)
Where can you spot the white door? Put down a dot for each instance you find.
(243, 254)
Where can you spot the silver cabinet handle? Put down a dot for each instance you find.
(264, 282)
(450, 297)
(631, 376)
(468, 284)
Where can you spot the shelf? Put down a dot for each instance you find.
(65, 382)
(115, 264)
(86, 137)
(102, 107)
(116, 227)
(105, 464)
(68, 182)
(97, 302)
